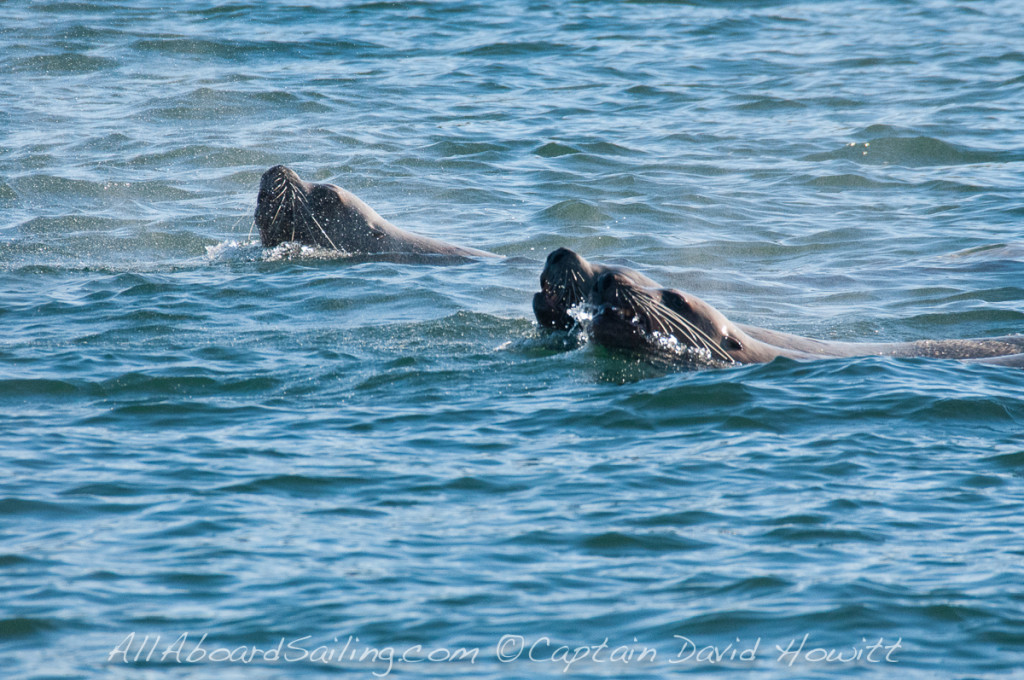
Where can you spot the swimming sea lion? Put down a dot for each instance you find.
(566, 283)
(568, 279)
(327, 216)
(669, 326)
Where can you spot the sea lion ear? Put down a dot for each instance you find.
(730, 343)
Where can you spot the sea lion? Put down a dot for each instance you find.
(566, 282)
(668, 326)
(327, 216)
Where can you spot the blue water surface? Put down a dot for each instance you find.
(223, 461)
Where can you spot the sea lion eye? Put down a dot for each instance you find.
(674, 300)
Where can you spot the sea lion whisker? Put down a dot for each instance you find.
(234, 225)
(295, 222)
(304, 204)
(693, 335)
(578, 285)
(658, 312)
(273, 220)
(580, 291)
(322, 230)
(574, 288)
(561, 290)
(669, 321)
(699, 337)
(692, 332)
(249, 213)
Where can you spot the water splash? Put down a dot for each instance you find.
(252, 251)
(293, 250)
(235, 251)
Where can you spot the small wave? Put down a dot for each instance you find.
(607, 149)
(23, 389)
(767, 104)
(26, 627)
(452, 149)
(69, 63)
(234, 50)
(911, 152)
(848, 181)
(23, 507)
(994, 251)
(639, 543)
(545, 341)
(514, 49)
(575, 211)
(554, 149)
(296, 485)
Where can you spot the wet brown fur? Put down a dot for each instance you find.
(662, 321)
(327, 216)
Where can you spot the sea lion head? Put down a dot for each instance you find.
(290, 209)
(565, 283)
(662, 324)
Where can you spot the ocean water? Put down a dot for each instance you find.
(220, 461)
